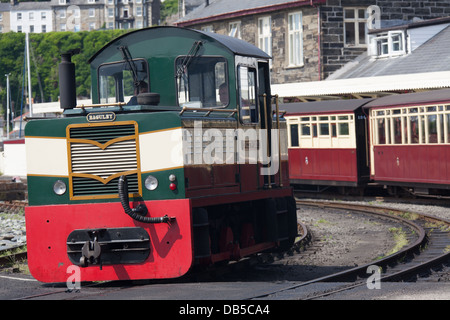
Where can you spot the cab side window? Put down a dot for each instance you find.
(248, 98)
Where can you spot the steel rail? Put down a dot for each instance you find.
(361, 271)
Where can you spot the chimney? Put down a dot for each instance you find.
(67, 84)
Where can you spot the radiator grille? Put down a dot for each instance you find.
(99, 155)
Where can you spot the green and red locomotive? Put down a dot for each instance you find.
(180, 160)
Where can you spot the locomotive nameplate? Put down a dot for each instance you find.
(101, 116)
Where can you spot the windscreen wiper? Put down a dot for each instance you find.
(127, 57)
(187, 59)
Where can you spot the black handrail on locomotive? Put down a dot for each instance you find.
(141, 210)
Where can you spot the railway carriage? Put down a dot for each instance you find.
(410, 141)
(398, 142)
(327, 143)
(178, 162)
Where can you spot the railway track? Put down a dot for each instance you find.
(430, 248)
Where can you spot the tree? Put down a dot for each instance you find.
(45, 53)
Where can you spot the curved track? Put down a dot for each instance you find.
(431, 248)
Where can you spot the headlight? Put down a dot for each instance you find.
(151, 183)
(59, 187)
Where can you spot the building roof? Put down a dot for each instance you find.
(402, 82)
(223, 9)
(417, 61)
(327, 106)
(416, 98)
(426, 67)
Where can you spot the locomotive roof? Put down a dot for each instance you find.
(234, 45)
(426, 97)
(325, 106)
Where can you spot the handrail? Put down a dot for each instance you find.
(208, 110)
(114, 104)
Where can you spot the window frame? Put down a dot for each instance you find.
(419, 124)
(295, 50)
(356, 21)
(117, 97)
(190, 102)
(265, 34)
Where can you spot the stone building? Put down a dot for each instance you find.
(78, 15)
(311, 39)
(5, 9)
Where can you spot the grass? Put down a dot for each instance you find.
(16, 266)
(400, 239)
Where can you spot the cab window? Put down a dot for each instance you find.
(117, 81)
(202, 82)
(247, 95)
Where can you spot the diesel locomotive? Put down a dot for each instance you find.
(181, 160)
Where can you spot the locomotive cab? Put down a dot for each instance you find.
(180, 160)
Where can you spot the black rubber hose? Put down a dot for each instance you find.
(135, 213)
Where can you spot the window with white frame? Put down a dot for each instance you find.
(43, 15)
(62, 27)
(110, 12)
(62, 1)
(234, 29)
(139, 11)
(44, 28)
(355, 27)
(19, 16)
(265, 34)
(425, 124)
(388, 44)
(320, 131)
(295, 39)
(31, 15)
(91, 12)
(91, 26)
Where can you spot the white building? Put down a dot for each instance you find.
(33, 17)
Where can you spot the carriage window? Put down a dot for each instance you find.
(324, 129)
(247, 95)
(294, 135)
(448, 127)
(306, 129)
(381, 131)
(397, 130)
(343, 129)
(414, 129)
(432, 129)
(117, 83)
(202, 82)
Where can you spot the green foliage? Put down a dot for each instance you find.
(168, 8)
(45, 52)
